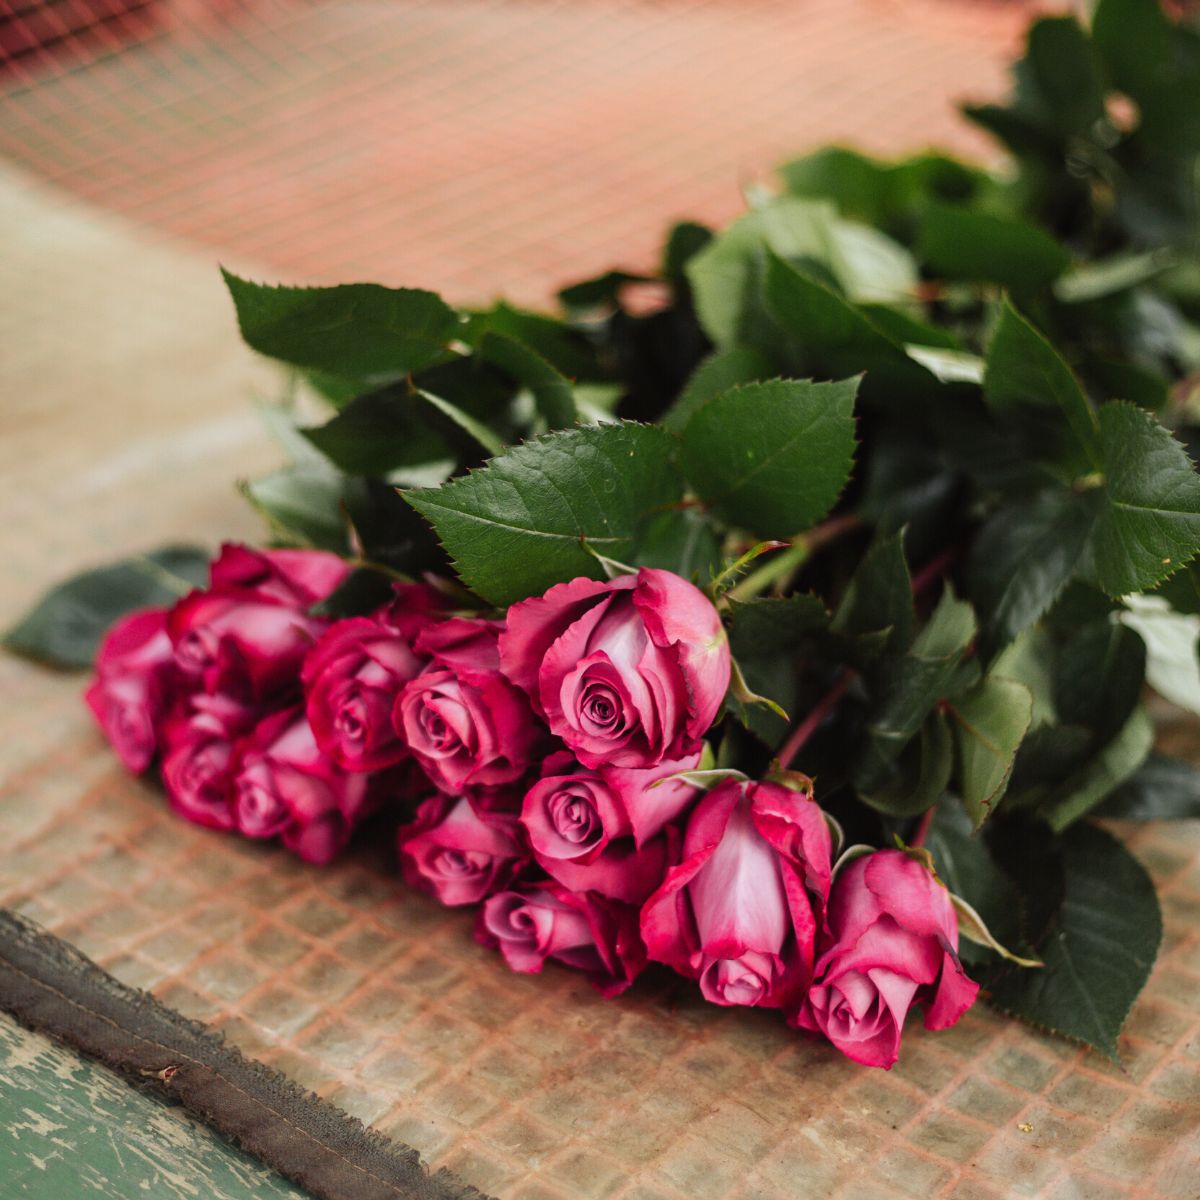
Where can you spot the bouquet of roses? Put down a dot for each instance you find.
(784, 618)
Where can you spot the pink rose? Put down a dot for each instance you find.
(297, 578)
(198, 758)
(893, 941)
(352, 677)
(742, 910)
(599, 830)
(233, 640)
(133, 685)
(581, 930)
(628, 673)
(464, 722)
(283, 786)
(458, 854)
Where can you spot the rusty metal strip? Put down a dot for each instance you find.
(49, 986)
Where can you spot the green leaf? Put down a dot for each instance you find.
(908, 481)
(1026, 379)
(1098, 947)
(967, 868)
(302, 505)
(477, 430)
(358, 331)
(682, 541)
(1161, 789)
(1047, 757)
(1182, 590)
(1133, 38)
(960, 243)
(773, 457)
(551, 389)
(770, 628)
(684, 241)
(725, 273)
(517, 526)
(1024, 556)
(566, 349)
(1099, 675)
(1146, 387)
(918, 776)
(741, 692)
(858, 185)
(381, 432)
(1103, 277)
(767, 636)
(870, 267)
(1103, 773)
(718, 373)
(828, 337)
(1058, 83)
(887, 195)
(1030, 660)
(1171, 639)
(600, 292)
(387, 531)
(879, 597)
(362, 591)
(904, 329)
(947, 366)
(990, 722)
(726, 276)
(66, 625)
(909, 688)
(1150, 524)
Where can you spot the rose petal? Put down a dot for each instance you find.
(532, 626)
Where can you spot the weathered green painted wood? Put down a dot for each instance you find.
(71, 1129)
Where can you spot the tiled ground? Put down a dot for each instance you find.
(125, 410)
(533, 1086)
(488, 146)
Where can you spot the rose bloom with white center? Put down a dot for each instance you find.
(627, 673)
(892, 943)
(458, 853)
(741, 911)
(354, 673)
(463, 721)
(578, 929)
(606, 830)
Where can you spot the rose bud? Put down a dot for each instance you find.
(199, 753)
(132, 688)
(741, 911)
(628, 673)
(412, 609)
(231, 640)
(352, 677)
(464, 722)
(283, 786)
(458, 854)
(296, 578)
(893, 941)
(597, 830)
(581, 930)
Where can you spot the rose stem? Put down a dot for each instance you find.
(810, 724)
(933, 570)
(928, 574)
(781, 565)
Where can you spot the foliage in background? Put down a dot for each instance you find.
(925, 431)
